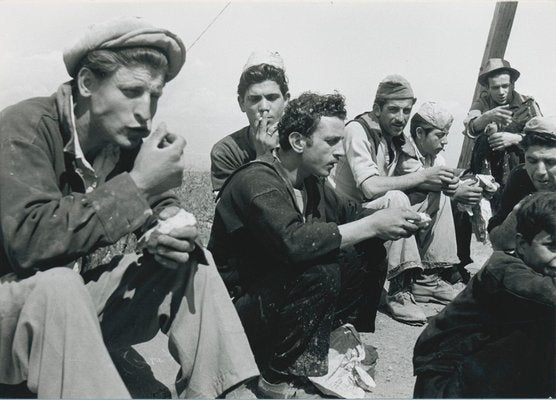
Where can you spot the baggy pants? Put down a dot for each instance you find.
(288, 317)
(51, 336)
(430, 248)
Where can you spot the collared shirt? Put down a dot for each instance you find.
(485, 103)
(363, 159)
(47, 219)
(103, 164)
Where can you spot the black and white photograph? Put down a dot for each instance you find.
(277, 199)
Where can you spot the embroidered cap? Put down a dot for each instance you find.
(265, 57)
(436, 115)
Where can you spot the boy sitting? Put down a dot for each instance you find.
(496, 339)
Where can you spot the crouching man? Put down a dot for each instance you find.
(496, 339)
(308, 260)
(81, 169)
(429, 128)
(366, 174)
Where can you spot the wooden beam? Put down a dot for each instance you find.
(497, 41)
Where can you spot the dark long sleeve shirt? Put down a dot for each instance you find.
(258, 228)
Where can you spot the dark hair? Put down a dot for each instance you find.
(537, 213)
(419, 122)
(499, 72)
(381, 101)
(103, 63)
(303, 114)
(538, 139)
(260, 73)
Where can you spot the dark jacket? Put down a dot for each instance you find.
(518, 187)
(258, 228)
(46, 219)
(504, 296)
(228, 154)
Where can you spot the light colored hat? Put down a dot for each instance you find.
(540, 125)
(127, 32)
(496, 64)
(436, 115)
(265, 57)
(394, 87)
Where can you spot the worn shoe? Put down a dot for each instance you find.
(431, 288)
(297, 388)
(402, 307)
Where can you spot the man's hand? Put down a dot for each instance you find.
(266, 137)
(501, 115)
(449, 188)
(160, 162)
(468, 194)
(172, 250)
(501, 140)
(393, 223)
(434, 178)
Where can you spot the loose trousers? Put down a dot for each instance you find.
(430, 248)
(132, 297)
(288, 317)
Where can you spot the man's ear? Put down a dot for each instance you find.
(241, 103)
(298, 142)
(520, 242)
(87, 82)
(286, 98)
(420, 133)
(376, 109)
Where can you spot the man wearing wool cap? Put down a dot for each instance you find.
(80, 170)
(262, 94)
(373, 143)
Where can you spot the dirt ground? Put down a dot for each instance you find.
(394, 341)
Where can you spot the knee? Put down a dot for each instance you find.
(397, 198)
(323, 280)
(60, 282)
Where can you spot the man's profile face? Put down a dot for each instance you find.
(122, 105)
(261, 97)
(540, 163)
(393, 116)
(324, 148)
(431, 143)
(500, 88)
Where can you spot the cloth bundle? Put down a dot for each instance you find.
(480, 213)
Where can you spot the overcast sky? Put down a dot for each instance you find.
(327, 46)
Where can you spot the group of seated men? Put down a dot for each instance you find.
(297, 252)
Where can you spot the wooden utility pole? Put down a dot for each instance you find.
(497, 41)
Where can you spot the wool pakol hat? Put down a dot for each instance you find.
(436, 115)
(496, 64)
(394, 87)
(127, 32)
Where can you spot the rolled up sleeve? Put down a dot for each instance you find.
(360, 154)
